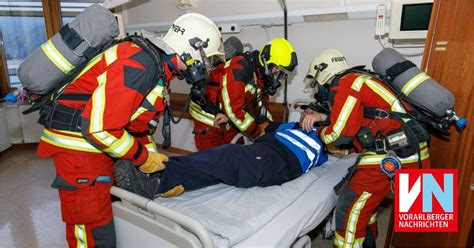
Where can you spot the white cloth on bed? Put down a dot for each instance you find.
(232, 214)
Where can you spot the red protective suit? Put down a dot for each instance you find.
(205, 134)
(233, 90)
(122, 98)
(357, 205)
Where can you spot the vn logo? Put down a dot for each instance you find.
(426, 200)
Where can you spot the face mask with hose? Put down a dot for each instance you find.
(278, 60)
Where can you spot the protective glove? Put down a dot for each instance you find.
(153, 163)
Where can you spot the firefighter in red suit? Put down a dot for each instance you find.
(108, 113)
(203, 110)
(245, 83)
(363, 112)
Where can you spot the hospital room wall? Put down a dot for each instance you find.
(354, 38)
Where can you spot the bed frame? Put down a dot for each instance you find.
(162, 226)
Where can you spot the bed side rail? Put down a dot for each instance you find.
(184, 221)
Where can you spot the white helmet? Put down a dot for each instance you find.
(327, 64)
(192, 30)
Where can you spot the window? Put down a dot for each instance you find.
(22, 29)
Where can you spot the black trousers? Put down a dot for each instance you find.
(266, 162)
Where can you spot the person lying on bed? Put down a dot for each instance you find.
(284, 153)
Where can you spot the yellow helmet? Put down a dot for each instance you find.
(278, 52)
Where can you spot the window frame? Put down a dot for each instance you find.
(53, 22)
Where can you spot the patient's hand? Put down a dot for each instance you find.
(308, 120)
(220, 119)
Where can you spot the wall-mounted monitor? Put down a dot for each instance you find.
(410, 19)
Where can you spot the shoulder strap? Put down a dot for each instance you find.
(154, 53)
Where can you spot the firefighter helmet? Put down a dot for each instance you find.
(327, 64)
(279, 52)
(195, 34)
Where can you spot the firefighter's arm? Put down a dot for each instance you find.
(345, 118)
(121, 90)
(233, 96)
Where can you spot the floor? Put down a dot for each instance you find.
(29, 208)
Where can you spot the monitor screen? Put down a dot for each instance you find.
(416, 16)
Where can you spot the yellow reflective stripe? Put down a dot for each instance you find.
(370, 158)
(359, 82)
(358, 243)
(81, 236)
(373, 218)
(201, 116)
(341, 120)
(73, 143)
(110, 55)
(151, 147)
(248, 119)
(151, 97)
(98, 105)
(121, 146)
(227, 64)
(198, 109)
(154, 94)
(269, 116)
(387, 96)
(338, 240)
(137, 113)
(251, 88)
(56, 57)
(105, 138)
(354, 218)
(414, 82)
(91, 63)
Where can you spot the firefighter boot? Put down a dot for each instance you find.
(129, 178)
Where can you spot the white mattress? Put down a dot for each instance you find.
(264, 217)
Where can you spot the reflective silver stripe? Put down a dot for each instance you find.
(56, 57)
(74, 143)
(338, 240)
(252, 89)
(414, 82)
(121, 146)
(200, 115)
(151, 97)
(309, 154)
(110, 55)
(137, 113)
(248, 119)
(373, 218)
(359, 82)
(151, 147)
(98, 104)
(341, 120)
(354, 218)
(198, 109)
(375, 159)
(386, 95)
(81, 235)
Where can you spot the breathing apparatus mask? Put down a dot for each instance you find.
(274, 78)
(278, 59)
(197, 72)
(321, 91)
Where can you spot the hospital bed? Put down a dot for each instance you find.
(225, 216)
